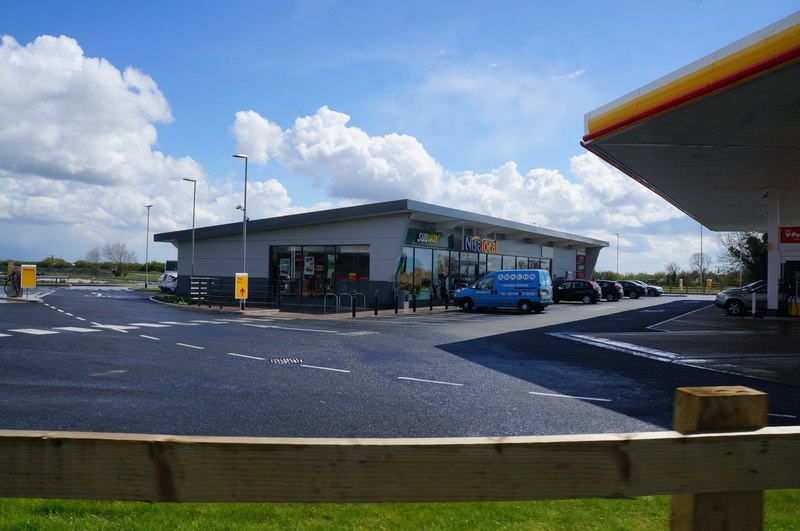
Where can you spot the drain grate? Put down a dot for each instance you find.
(285, 361)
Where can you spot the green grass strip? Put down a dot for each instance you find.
(782, 510)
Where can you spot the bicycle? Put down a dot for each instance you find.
(12, 286)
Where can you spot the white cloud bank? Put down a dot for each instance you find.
(78, 164)
(355, 168)
(77, 157)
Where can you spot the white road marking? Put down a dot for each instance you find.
(109, 373)
(245, 356)
(5, 335)
(782, 416)
(569, 396)
(67, 313)
(80, 318)
(117, 328)
(619, 346)
(178, 323)
(33, 331)
(429, 381)
(190, 346)
(150, 325)
(655, 326)
(323, 368)
(292, 329)
(75, 329)
(150, 337)
(201, 321)
(59, 310)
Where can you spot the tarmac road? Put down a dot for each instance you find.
(113, 361)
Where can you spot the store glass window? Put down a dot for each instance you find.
(494, 262)
(441, 274)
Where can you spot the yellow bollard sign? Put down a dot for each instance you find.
(241, 286)
(28, 275)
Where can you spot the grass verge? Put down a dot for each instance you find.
(782, 510)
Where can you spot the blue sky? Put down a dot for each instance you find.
(472, 105)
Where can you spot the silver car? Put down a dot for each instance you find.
(738, 301)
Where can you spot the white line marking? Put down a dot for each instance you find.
(782, 416)
(324, 368)
(201, 321)
(569, 396)
(619, 346)
(117, 328)
(5, 335)
(150, 325)
(67, 313)
(150, 337)
(292, 329)
(33, 331)
(80, 318)
(75, 329)
(191, 346)
(59, 310)
(178, 323)
(655, 326)
(429, 381)
(245, 356)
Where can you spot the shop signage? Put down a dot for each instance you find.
(241, 286)
(427, 238)
(790, 234)
(476, 244)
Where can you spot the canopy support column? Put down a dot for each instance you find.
(773, 249)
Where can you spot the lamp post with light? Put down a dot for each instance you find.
(244, 219)
(194, 200)
(617, 235)
(147, 248)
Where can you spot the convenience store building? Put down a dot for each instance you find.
(385, 247)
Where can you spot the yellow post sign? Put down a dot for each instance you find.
(28, 275)
(241, 285)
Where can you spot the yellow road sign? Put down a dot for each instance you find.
(241, 286)
(28, 279)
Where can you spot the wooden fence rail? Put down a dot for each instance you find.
(107, 466)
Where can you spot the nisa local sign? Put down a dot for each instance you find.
(476, 244)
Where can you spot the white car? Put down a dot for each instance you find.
(168, 282)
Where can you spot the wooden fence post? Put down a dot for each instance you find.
(719, 409)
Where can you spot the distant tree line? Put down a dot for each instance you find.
(742, 259)
(110, 259)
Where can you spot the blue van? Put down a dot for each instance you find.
(529, 290)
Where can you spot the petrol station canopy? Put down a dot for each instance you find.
(715, 136)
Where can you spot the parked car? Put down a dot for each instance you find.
(585, 291)
(168, 282)
(611, 290)
(632, 289)
(738, 301)
(652, 291)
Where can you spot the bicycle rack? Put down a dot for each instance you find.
(325, 301)
(351, 295)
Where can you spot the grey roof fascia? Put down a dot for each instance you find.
(388, 207)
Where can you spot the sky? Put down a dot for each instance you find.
(106, 107)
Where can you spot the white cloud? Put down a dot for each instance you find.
(77, 163)
(354, 164)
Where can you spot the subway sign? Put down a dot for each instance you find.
(476, 244)
(427, 238)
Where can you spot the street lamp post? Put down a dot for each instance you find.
(244, 219)
(617, 235)
(147, 248)
(194, 200)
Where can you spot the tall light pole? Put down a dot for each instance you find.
(617, 235)
(194, 198)
(244, 219)
(147, 248)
